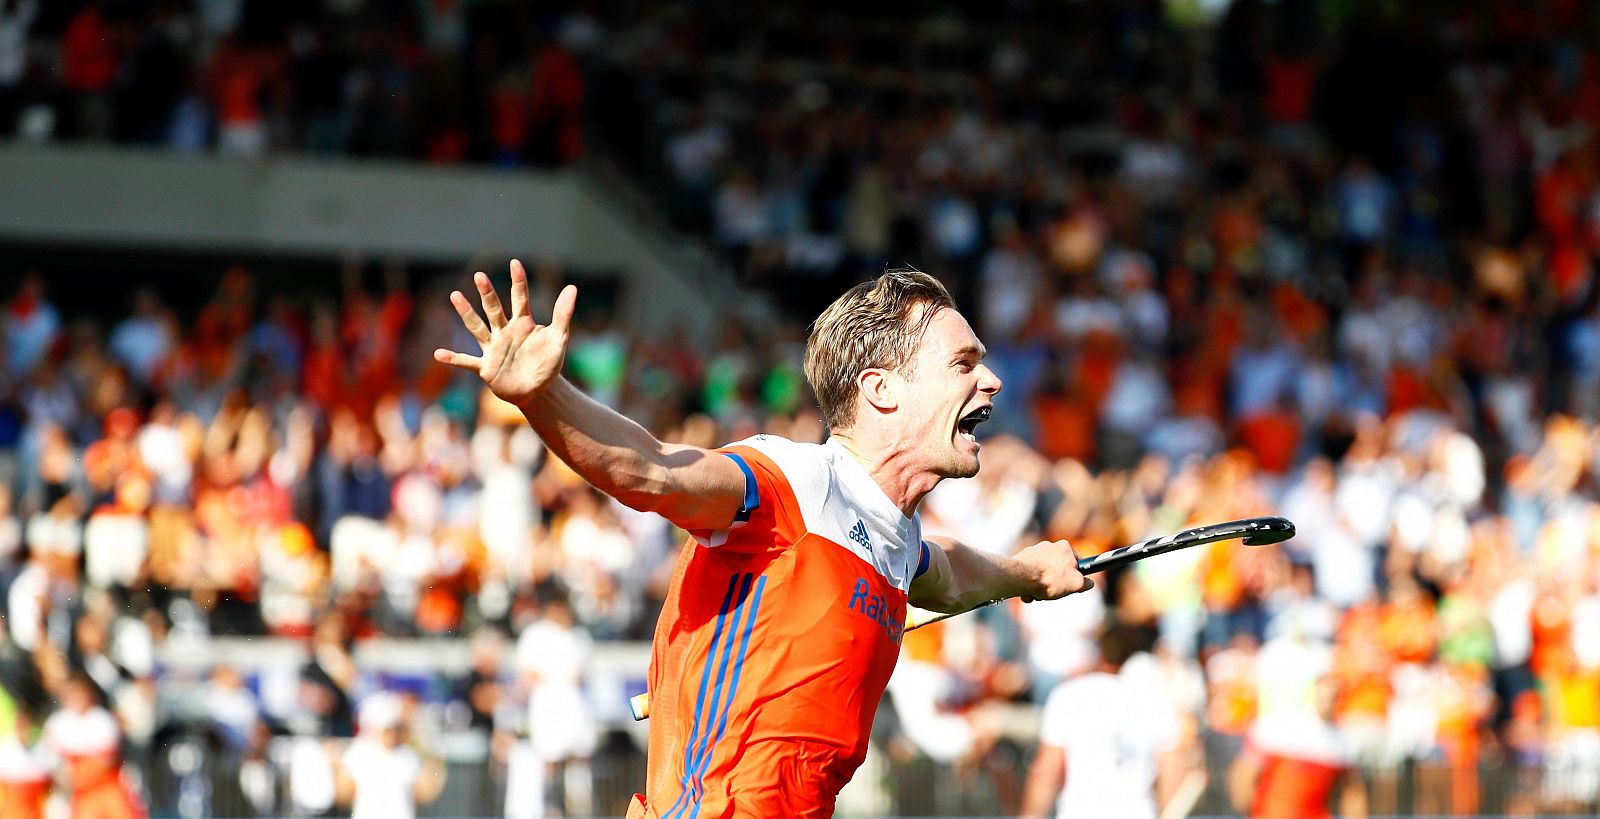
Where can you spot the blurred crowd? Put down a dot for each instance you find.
(269, 463)
(1329, 261)
(442, 80)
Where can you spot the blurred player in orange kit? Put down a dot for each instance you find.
(1296, 766)
(785, 615)
(24, 773)
(86, 738)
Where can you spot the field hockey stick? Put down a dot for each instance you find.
(1253, 531)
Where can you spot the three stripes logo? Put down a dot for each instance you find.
(858, 533)
(730, 641)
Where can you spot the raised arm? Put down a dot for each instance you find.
(960, 577)
(521, 363)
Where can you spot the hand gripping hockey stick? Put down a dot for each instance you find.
(1253, 531)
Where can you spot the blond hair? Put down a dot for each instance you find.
(869, 327)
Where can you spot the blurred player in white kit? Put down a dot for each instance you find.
(1108, 746)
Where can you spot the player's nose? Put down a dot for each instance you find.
(988, 382)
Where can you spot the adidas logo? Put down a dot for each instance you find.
(858, 533)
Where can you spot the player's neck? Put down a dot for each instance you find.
(891, 467)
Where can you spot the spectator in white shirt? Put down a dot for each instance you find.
(381, 775)
(552, 655)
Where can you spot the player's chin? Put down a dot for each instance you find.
(962, 463)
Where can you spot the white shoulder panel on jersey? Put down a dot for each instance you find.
(840, 502)
(804, 466)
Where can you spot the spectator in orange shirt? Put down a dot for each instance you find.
(1463, 700)
(1273, 435)
(1552, 628)
(1291, 80)
(556, 107)
(1065, 418)
(90, 59)
(1572, 764)
(1407, 622)
(249, 84)
(1231, 680)
(508, 119)
(1362, 688)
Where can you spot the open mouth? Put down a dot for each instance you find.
(968, 425)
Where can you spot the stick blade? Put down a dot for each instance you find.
(1267, 531)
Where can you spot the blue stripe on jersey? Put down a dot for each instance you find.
(705, 680)
(752, 497)
(738, 670)
(922, 562)
(700, 757)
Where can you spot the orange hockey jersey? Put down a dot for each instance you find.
(777, 639)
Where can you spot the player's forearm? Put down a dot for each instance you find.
(1169, 776)
(1352, 795)
(1044, 782)
(605, 448)
(976, 577)
(1242, 781)
(1036, 803)
(692, 487)
(430, 783)
(344, 788)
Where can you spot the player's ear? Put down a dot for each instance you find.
(878, 388)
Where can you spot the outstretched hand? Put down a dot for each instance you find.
(519, 356)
